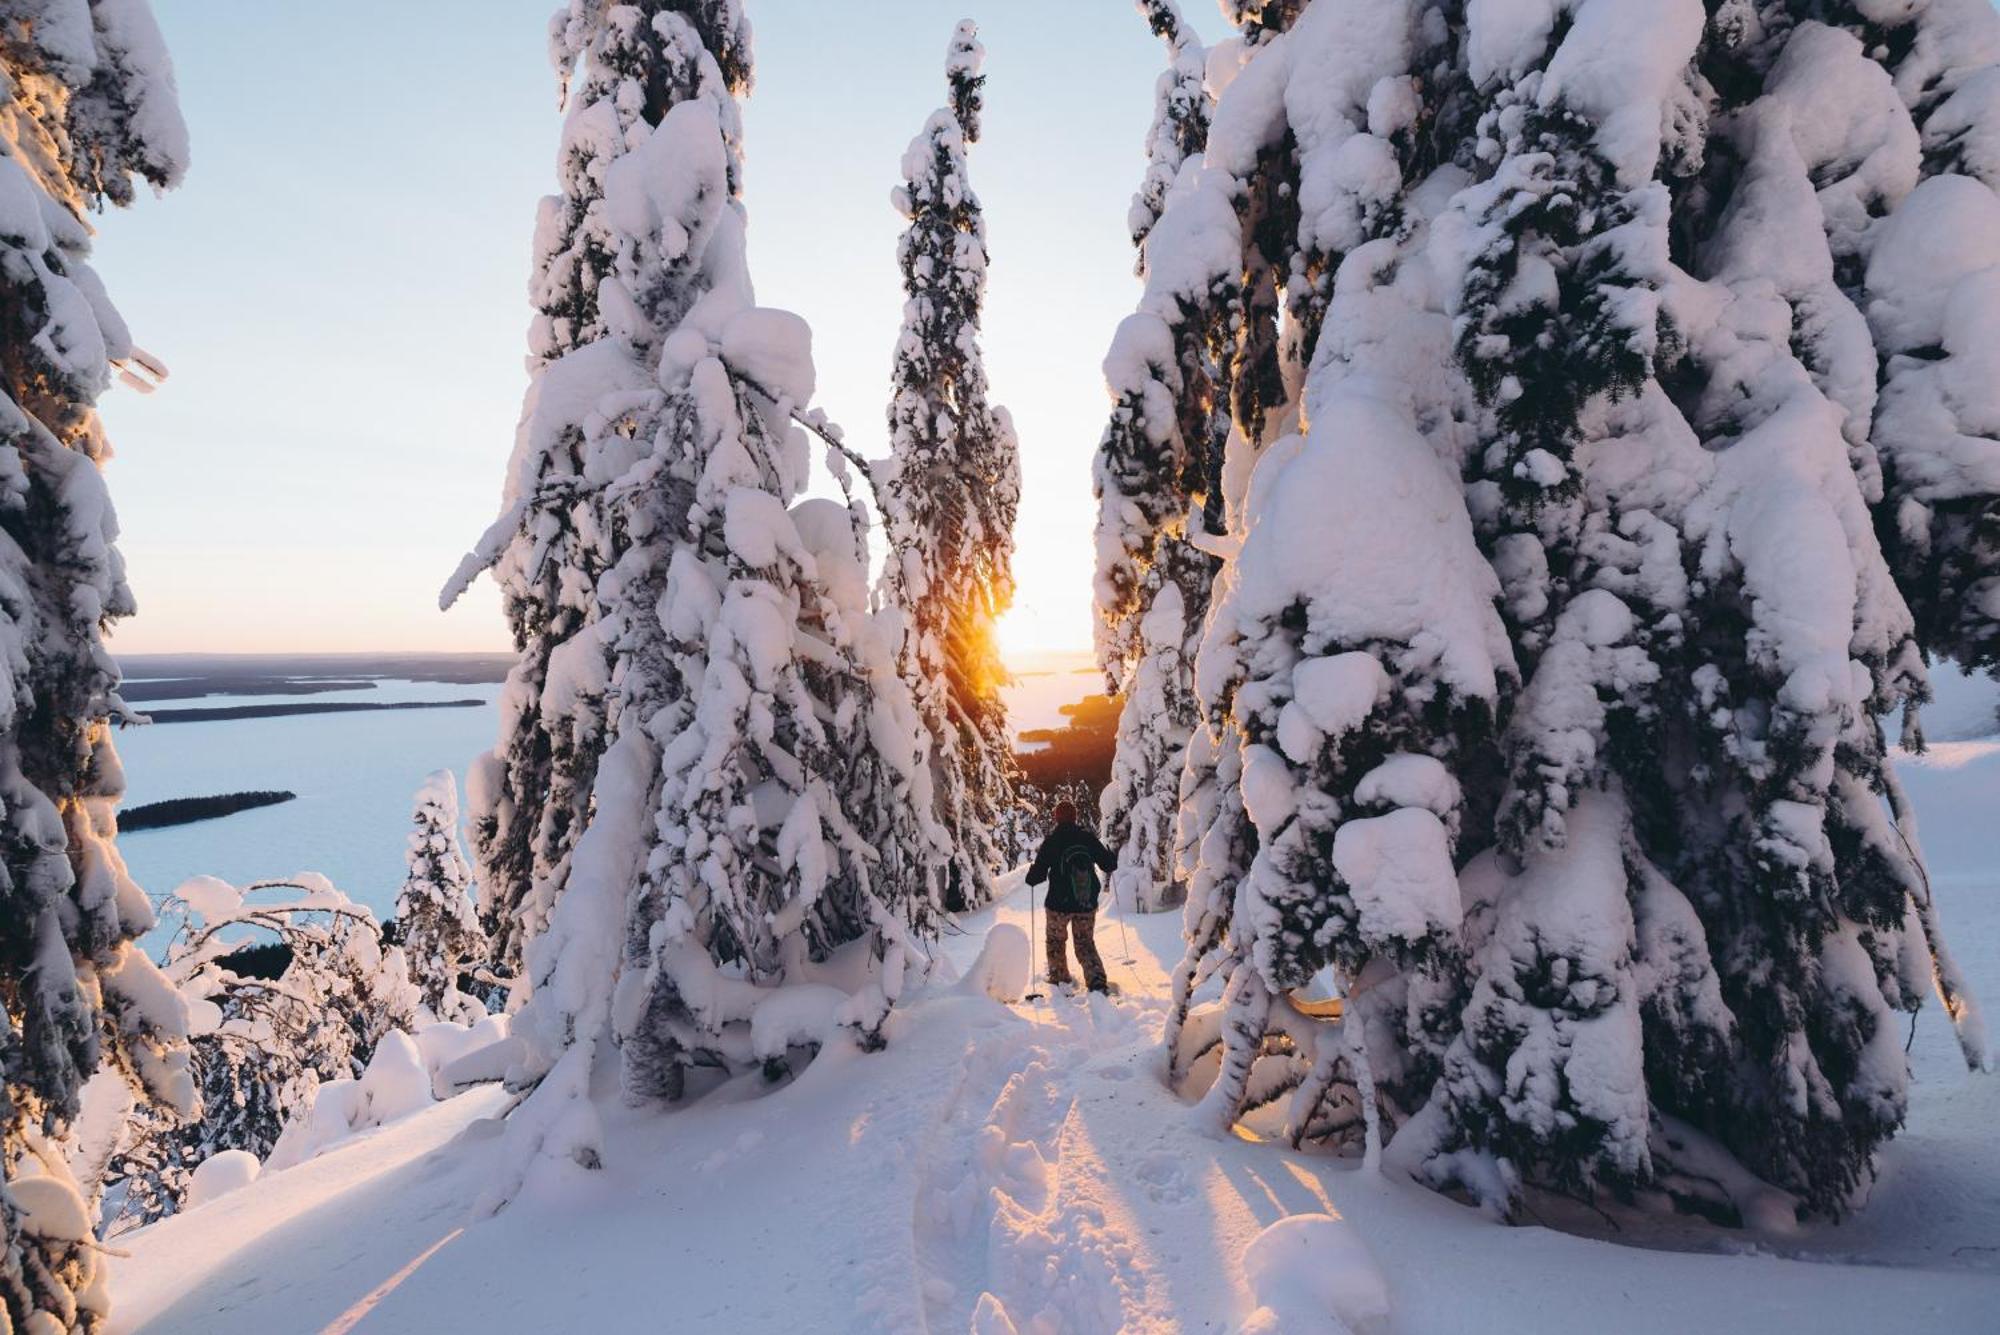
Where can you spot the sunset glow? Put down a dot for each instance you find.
(354, 363)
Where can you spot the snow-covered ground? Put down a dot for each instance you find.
(1024, 1169)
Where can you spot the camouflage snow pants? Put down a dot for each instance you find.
(1083, 927)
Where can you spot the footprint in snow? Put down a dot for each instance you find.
(1313, 1273)
(1164, 1177)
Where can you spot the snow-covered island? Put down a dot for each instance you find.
(1546, 575)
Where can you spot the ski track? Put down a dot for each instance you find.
(1020, 1223)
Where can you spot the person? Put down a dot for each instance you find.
(1069, 860)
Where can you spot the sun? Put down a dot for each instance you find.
(1037, 634)
(1023, 636)
(1014, 632)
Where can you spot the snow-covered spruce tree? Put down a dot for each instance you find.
(1181, 110)
(262, 1046)
(1261, 20)
(1560, 330)
(249, 1090)
(1169, 418)
(1939, 512)
(1203, 340)
(1200, 385)
(1938, 509)
(1582, 796)
(754, 877)
(1828, 174)
(435, 923)
(951, 487)
(596, 282)
(1153, 583)
(87, 110)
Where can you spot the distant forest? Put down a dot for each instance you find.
(1078, 753)
(224, 713)
(240, 674)
(187, 810)
(191, 688)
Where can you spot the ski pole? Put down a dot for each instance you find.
(1123, 935)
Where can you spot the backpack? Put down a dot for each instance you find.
(1079, 877)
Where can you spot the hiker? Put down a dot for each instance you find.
(1069, 860)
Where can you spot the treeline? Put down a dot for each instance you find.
(228, 713)
(1079, 752)
(198, 688)
(187, 810)
(224, 673)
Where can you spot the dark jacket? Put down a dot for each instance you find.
(1055, 854)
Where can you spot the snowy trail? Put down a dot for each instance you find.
(1066, 1189)
(1008, 1221)
(1020, 1224)
(1017, 1224)
(1022, 1169)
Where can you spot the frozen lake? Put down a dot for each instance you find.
(355, 776)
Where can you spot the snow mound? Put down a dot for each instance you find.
(480, 1065)
(326, 1123)
(1003, 966)
(444, 1042)
(396, 1083)
(406, 1075)
(1411, 781)
(1339, 693)
(220, 1174)
(1363, 524)
(673, 185)
(1312, 1273)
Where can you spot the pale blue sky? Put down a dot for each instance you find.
(339, 287)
